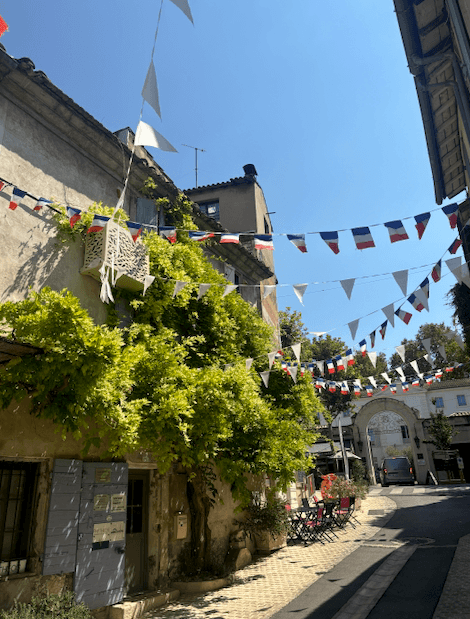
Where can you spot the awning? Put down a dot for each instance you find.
(339, 455)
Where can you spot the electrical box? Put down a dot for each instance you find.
(181, 526)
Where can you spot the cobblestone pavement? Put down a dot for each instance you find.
(454, 602)
(268, 584)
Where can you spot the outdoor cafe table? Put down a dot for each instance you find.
(299, 519)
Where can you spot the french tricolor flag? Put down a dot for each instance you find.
(357, 390)
(415, 302)
(383, 329)
(349, 357)
(264, 241)
(320, 383)
(363, 345)
(135, 229)
(450, 369)
(331, 239)
(299, 241)
(451, 210)
(363, 238)
(98, 223)
(41, 202)
(197, 235)
(332, 387)
(372, 339)
(74, 214)
(405, 316)
(424, 285)
(436, 272)
(396, 231)
(383, 387)
(415, 382)
(429, 379)
(168, 233)
(405, 386)
(421, 223)
(339, 363)
(344, 389)
(438, 374)
(331, 366)
(230, 238)
(369, 390)
(393, 388)
(455, 245)
(17, 193)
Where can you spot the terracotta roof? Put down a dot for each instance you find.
(460, 414)
(240, 180)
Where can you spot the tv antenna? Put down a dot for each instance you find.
(195, 153)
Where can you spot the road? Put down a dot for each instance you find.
(408, 561)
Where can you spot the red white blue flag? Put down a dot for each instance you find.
(369, 390)
(455, 245)
(363, 238)
(415, 382)
(264, 241)
(393, 388)
(363, 345)
(230, 238)
(135, 229)
(339, 363)
(372, 339)
(405, 386)
(98, 223)
(383, 329)
(438, 374)
(168, 233)
(320, 383)
(344, 388)
(436, 272)
(396, 231)
(429, 379)
(415, 302)
(405, 316)
(197, 235)
(331, 239)
(450, 369)
(451, 210)
(424, 285)
(331, 366)
(383, 387)
(349, 357)
(74, 214)
(421, 223)
(299, 241)
(41, 202)
(17, 193)
(357, 390)
(332, 386)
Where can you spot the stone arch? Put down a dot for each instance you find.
(381, 405)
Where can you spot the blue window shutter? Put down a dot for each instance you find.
(60, 548)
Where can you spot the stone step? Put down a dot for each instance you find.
(137, 605)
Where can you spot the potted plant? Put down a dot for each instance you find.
(267, 521)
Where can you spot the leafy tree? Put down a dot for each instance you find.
(441, 431)
(459, 297)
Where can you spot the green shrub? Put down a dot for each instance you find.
(59, 606)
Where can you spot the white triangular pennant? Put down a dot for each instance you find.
(265, 377)
(357, 381)
(268, 289)
(372, 381)
(401, 277)
(293, 372)
(228, 289)
(348, 285)
(353, 327)
(271, 357)
(203, 288)
(427, 344)
(453, 265)
(248, 363)
(427, 358)
(317, 333)
(372, 357)
(421, 296)
(385, 375)
(150, 89)
(414, 365)
(299, 290)
(442, 352)
(321, 366)
(178, 288)
(147, 136)
(148, 281)
(401, 351)
(399, 370)
(296, 350)
(421, 375)
(184, 6)
(389, 310)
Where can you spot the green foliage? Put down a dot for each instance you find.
(441, 431)
(66, 234)
(57, 606)
(266, 515)
(459, 298)
(358, 470)
(177, 212)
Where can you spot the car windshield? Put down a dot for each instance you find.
(396, 464)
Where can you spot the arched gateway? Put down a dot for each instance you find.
(411, 417)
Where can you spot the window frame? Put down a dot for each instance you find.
(461, 400)
(204, 207)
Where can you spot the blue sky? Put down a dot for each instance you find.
(319, 99)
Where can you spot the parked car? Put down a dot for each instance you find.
(396, 470)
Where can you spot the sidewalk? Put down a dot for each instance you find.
(454, 602)
(268, 584)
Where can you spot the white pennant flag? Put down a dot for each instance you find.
(268, 289)
(348, 285)
(317, 333)
(150, 89)
(372, 381)
(178, 288)
(353, 327)
(184, 6)
(248, 363)
(453, 335)
(299, 290)
(385, 375)
(293, 372)
(442, 352)
(401, 351)
(453, 265)
(373, 358)
(265, 377)
(271, 357)
(401, 277)
(148, 281)
(421, 375)
(421, 296)
(389, 314)
(147, 136)
(321, 366)
(427, 344)
(203, 288)
(399, 370)
(296, 350)
(228, 289)
(414, 365)
(428, 359)
(357, 381)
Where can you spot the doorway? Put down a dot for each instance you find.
(136, 574)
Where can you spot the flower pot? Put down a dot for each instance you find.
(266, 543)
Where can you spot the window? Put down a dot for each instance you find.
(404, 432)
(17, 488)
(147, 212)
(439, 403)
(461, 401)
(266, 227)
(211, 209)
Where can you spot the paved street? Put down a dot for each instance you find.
(394, 564)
